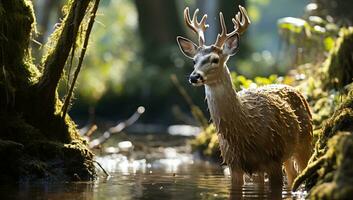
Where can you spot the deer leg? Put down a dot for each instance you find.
(237, 178)
(276, 181)
(290, 171)
(237, 183)
(259, 179)
(303, 155)
(276, 176)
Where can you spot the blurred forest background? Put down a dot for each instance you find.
(133, 53)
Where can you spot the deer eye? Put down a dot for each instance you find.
(214, 60)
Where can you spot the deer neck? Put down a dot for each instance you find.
(226, 109)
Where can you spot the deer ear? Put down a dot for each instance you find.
(186, 46)
(231, 45)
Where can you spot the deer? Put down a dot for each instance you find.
(260, 130)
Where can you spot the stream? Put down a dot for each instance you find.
(150, 167)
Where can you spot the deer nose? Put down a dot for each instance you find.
(195, 77)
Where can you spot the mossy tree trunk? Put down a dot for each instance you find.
(35, 140)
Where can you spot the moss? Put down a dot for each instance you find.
(72, 160)
(15, 128)
(78, 161)
(341, 120)
(33, 145)
(29, 155)
(329, 175)
(206, 143)
(15, 40)
(339, 65)
(335, 177)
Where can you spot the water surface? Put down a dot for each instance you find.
(149, 173)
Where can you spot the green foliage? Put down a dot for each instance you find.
(292, 26)
(241, 82)
(311, 38)
(113, 55)
(206, 143)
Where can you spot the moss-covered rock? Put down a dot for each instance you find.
(335, 175)
(339, 65)
(45, 160)
(328, 174)
(331, 154)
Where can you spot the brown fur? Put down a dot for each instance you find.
(259, 129)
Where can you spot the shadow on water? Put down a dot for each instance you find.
(162, 173)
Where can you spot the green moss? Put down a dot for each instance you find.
(45, 160)
(339, 65)
(328, 175)
(15, 39)
(206, 143)
(335, 177)
(15, 128)
(74, 159)
(33, 145)
(341, 120)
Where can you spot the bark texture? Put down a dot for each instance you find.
(36, 142)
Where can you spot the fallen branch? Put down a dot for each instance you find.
(89, 131)
(105, 172)
(118, 128)
(195, 110)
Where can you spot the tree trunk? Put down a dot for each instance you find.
(159, 25)
(35, 140)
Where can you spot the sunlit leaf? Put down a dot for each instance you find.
(329, 43)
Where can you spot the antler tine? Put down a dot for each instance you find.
(221, 38)
(198, 27)
(241, 21)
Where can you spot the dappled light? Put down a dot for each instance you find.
(156, 99)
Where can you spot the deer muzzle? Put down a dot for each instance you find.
(196, 79)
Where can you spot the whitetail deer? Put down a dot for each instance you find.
(258, 129)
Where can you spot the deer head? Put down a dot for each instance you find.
(209, 61)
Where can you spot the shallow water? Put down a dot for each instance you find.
(150, 167)
(176, 176)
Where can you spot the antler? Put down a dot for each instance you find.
(198, 27)
(241, 23)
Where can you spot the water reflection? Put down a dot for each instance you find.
(172, 175)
